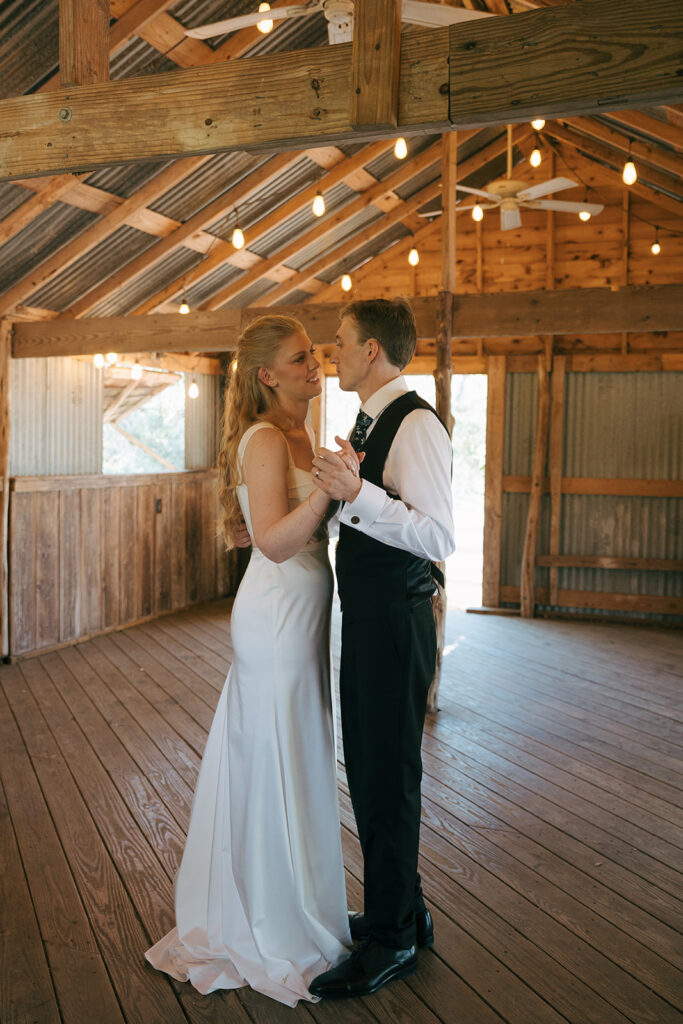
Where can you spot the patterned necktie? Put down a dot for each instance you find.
(360, 430)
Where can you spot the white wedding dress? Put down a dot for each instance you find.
(260, 897)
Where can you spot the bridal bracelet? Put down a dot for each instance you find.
(310, 505)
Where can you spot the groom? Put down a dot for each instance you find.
(396, 521)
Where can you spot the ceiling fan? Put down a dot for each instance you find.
(508, 194)
(339, 15)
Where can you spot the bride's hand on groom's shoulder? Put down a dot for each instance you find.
(337, 473)
(242, 538)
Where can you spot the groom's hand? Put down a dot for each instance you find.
(332, 475)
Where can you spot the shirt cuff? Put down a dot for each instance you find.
(365, 507)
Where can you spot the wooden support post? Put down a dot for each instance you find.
(444, 361)
(5, 356)
(493, 484)
(555, 466)
(375, 64)
(83, 41)
(536, 493)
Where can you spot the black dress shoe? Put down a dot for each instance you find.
(366, 970)
(424, 927)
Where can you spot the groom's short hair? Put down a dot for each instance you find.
(390, 322)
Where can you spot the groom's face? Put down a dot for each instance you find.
(350, 355)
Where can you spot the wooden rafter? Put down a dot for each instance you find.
(83, 42)
(669, 164)
(362, 202)
(210, 108)
(662, 131)
(223, 252)
(375, 63)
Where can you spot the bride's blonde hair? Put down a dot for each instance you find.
(247, 399)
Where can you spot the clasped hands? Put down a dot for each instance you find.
(337, 474)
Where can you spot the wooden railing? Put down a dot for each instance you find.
(90, 553)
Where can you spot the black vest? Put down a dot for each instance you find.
(371, 574)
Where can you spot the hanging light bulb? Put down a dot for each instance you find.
(584, 215)
(318, 204)
(629, 173)
(237, 237)
(265, 26)
(656, 248)
(400, 149)
(413, 257)
(98, 361)
(184, 308)
(346, 283)
(477, 212)
(136, 371)
(538, 124)
(535, 158)
(193, 390)
(111, 358)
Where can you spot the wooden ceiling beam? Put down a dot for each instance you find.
(492, 80)
(507, 314)
(83, 42)
(223, 252)
(406, 171)
(375, 59)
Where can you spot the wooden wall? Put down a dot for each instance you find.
(90, 553)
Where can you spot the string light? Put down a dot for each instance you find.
(477, 212)
(413, 257)
(629, 173)
(184, 308)
(400, 149)
(584, 215)
(266, 25)
(237, 237)
(318, 204)
(346, 283)
(136, 371)
(535, 158)
(656, 248)
(193, 390)
(111, 358)
(98, 361)
(538, 124)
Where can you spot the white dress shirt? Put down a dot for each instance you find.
(418, 468)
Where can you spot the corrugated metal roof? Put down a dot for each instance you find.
(29, 44)
(212, 179)
(125, 179)
(105, 259)
(387, 163)
(251, 294)
(52, 229)
(364, 253)
(301, 222)
(420, 181)
(139, 58)
(212, 283)
(330, 241)
(289, 34)
(178, 262)
(12, 197)
(287, 184)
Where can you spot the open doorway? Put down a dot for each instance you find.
(468, 405)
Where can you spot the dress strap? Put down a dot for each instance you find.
(248, 434)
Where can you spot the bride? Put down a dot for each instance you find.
(259, 896)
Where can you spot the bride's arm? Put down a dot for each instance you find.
(278, 532)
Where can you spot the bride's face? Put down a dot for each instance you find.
(295, 370)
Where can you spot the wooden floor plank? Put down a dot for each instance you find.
(80, 978)
(551, 836)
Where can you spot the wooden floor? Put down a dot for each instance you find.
(552, 828)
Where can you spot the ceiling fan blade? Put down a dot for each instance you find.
(544, 188)
(478, 192)
(510, 219)
(219, 28)
(561, 204)
(430, 15)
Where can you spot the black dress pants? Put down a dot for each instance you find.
(387, 665)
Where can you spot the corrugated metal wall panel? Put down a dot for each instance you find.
(202, 417)
(617, 426)
(55, 417)
(624, 425)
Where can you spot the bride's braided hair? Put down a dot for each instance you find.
(246, 400)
